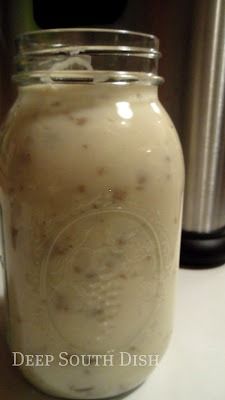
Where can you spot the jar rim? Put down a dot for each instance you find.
(113, 30)
(75, 50)
(100, 30)
(54, 39)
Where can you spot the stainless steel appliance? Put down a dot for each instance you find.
(203, 241)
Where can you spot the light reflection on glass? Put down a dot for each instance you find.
(155, 107)
(124, 110)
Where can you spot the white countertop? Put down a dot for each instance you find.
(194, 365)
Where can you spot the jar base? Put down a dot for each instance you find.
(52, 393)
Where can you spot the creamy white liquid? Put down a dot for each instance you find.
(92, 180)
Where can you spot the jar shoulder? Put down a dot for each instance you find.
(50, 123)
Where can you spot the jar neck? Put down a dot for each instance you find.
(87, 56)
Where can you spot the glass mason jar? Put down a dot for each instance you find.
(92, 179)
